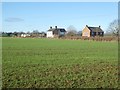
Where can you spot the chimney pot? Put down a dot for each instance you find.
(55, 27)
(50, 27)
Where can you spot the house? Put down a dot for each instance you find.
(92, 31)
(55, 32)
(25, 35)
(42, 34)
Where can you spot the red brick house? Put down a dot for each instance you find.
(92, 31)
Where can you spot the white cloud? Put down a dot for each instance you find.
(13, 19)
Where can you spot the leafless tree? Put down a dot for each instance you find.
(71, 31)
(114, 27)
(35, 33)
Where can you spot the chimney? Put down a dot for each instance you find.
(99, 26)
(86, 25)
(50, 27)
(55, 27)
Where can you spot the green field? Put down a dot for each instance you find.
(45, 63)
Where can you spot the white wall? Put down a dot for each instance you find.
(25, 35)
(50, 34)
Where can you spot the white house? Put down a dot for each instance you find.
(55, 32)
(25, 35)
(50, 34)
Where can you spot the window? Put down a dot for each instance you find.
(94, 33)
(99, 33)
(86, 33)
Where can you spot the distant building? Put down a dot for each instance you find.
(92, 31)
(55, 32)
(25, 35)
(42, 34)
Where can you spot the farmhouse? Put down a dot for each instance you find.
(92, 31)
(55, 32)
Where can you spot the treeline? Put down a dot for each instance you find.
(35, 33)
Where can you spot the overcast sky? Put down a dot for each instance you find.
(29, 16)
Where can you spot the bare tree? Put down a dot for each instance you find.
(79, 33)
(35, 33)
(71, 31)
(114, 27)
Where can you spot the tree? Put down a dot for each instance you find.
(28, 32)
(114, 28)
(15, 33)
(79, 33)
(71, 31)
(35, 33)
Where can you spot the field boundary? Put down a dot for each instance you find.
(92, 38)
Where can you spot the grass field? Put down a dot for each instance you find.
(45, 63)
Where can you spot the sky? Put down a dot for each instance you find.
(29, 16)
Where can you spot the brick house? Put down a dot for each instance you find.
(92, 31)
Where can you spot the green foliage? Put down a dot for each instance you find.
(5, 35)
(30, 63)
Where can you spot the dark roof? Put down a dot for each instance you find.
(58, 29)
(95, 29)
(62, 30)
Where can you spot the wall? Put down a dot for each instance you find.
(50, 34)
(86, 32)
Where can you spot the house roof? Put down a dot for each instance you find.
(95, 29)
(58, 29)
